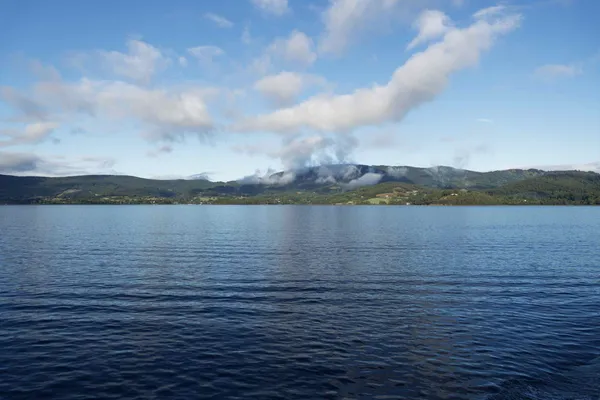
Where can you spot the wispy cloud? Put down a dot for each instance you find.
(463, 155)
(296, 48)
(162, 114)
(220, 21)
(489, 11)
(140, 63)
(246, 36)
(19, 163)
(165, 149)
(283, 88)
(206, 54)
(28, 109)
(419, 80)
(30, 134)
(319, 127)
(553, 71)
(272, 7)
(431, 24)
(345, 20)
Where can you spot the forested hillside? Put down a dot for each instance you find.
(385, 185)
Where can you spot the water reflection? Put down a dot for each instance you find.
(305, 302)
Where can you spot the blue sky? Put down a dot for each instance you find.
(171, 89)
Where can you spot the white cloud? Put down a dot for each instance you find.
(418, 81)
(397, 172)
(183, 61)
(297, 49)
(30, 164)
(273, 7)
(220, 21)
(269, 178)
(300, 152)
(345, 19)
(283, 88)
(15, 163)
(28, 109)
(261, 65)
(46, 72)
(165, 114)
(550, 71)
(431, 24)
(206, 54)
(141, 62)
(32, 133)
(489, 12)
(367, 179)
(39, 130)
(205, 176)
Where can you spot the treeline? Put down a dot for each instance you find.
(572, 187)
(559, 188)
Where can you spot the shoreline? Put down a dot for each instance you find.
(305, 205)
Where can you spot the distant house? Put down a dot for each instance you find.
(384, 195)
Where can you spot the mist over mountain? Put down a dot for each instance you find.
(352, 176)
(203, 176)
(309, 184)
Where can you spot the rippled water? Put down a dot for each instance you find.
(299, 302)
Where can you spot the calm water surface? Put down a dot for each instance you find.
(298, 302)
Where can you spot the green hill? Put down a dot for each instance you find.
(29, 189)
(434, 177)
(333, 185)
(563, 187)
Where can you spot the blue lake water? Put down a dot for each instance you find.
(297, 302)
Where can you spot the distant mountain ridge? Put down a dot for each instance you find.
(435, 177)
(319, 180)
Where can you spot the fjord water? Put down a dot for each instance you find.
(299, 302)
